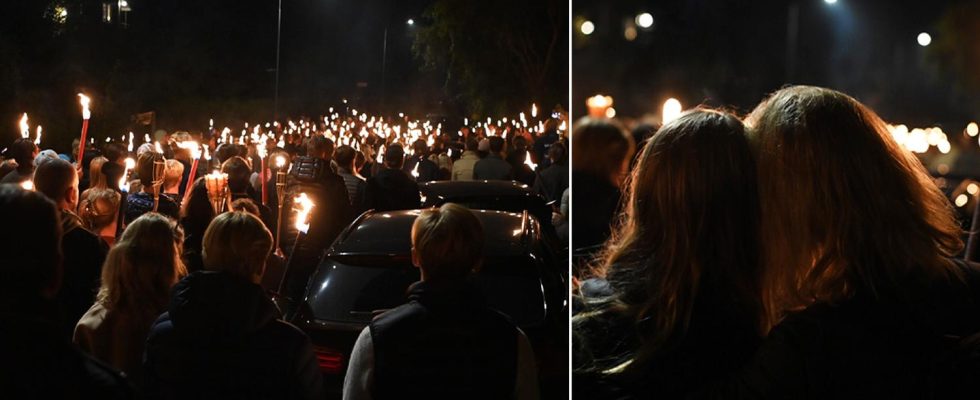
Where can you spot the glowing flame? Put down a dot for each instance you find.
(260, 148)
(158, 148)
(280, 161)
(25, 129)
(85, 101)
(192, 146)
(599, 101)
(304, 206)
(130, 147)
(415, 171)
(381, 152)
(38, 140)
(672, 109)
(529, 163)
(27, 185)
(207, 154)
(534, 111)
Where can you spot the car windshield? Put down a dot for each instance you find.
(352, 289)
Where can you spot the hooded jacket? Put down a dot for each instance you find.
(223, 338)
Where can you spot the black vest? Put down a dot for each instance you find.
(445, 343)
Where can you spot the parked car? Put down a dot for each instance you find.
(490, 195)
(369, 268)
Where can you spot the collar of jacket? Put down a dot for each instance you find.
(460, 294)
(69, 221)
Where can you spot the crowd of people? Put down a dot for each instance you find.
(799, 252)
(137, 283)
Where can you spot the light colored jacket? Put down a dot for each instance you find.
(117, 340)
(463, 168)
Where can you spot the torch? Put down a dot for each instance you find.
(262, 153)
(217, 185)
(280, 194)
(159, 167)
(196, 155)
(302, 204)
(25, 128)
(86, 114)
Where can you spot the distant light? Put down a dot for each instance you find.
(27, 185)
(610, 113)
(672, 109)
(410, 21)
(830, 1)
(924, 39)
(587, 28)
(644, 20)
(599, 101)
(972, 129)
(630, 33)
(972, 188)
(123, 4)
(944, 147)
(961, 200)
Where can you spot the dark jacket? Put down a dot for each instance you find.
(721, 338)
(141, 203)
(492, 167)
(356, 186)
(552, 181)
(222, 338)
(84, 254)
(595, 202)
(40, 363)
(920, 344)
(392, 189)
(445, 334)
(428, 171)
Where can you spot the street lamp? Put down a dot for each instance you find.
(924, 39)
(587, 28)
(830, 1)
(644, 20)
(410, 21)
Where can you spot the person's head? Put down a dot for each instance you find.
(557, 153)
(99, 209)
(226, 151)
(115, 153)
(97, 179)
(23, 151)
(472, 144)
(239, 173)
(196, 211)
(519, 143)
(142, 267)
(847, 210)
(173, 175)
(394, 156)
(30, 241)
(345, 157)
(689, 231)
(447, 243)
(144, 168)
(237, 243)
(58, 180)
(496, 145)
(420, 148)
(602, 148)
(320, 147)
(246, 205)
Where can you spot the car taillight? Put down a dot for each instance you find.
(330, 361)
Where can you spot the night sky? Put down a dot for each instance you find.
(731, 53)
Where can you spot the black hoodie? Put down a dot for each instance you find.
(223, 338)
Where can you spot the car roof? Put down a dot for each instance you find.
(474, 188)
(389, 232)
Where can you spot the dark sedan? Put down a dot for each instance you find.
(368, 269)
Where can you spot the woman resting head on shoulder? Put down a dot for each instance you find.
(858, 268)
(682, 267)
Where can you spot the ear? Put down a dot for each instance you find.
(416, 258)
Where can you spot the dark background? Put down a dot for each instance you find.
(189, 61)
(732, 53)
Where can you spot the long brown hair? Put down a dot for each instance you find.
(846, 209)
(689, 229)
(142, 267)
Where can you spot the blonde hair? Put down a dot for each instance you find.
(99, 208)
(448, 242)
(846, 208)
(173, 173)
(97, 179)
(238, 243)
(142, 267)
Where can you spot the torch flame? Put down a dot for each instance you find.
(37, 141)
(207, 155)
(158, 148)
(305, 204)
(192, 146)
(534, 110)
(84, 101)
(529, 163)
(27, 185)
(672, 109)
(415, 171)
(25, 129)
(280, 161)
